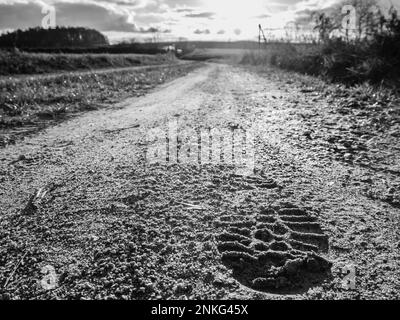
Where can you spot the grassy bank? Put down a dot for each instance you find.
(29, 104)
(370, 56)
(337, 61)
(37, 63)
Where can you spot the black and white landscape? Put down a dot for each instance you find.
(199, 150)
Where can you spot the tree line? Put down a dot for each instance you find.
(59, 37)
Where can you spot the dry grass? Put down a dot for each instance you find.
(33, 63)
(373, 57)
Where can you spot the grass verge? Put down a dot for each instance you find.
(33, 63)
(371, 56)
(30, 104)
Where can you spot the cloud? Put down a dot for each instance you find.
(150, 19)
(93, 15)
(198, 31)
(184, 10)
(237, 32)
(304, 17)
(208, 15)
(20, 15)
(128, 3)
(152, 30)
(182, 3)
(291, 2)
(100, 16)
(263, 16)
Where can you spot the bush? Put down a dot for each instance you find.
(374, 58)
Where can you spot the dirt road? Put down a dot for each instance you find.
(84, 216)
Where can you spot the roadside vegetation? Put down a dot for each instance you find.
(370, 53)
(15, 62)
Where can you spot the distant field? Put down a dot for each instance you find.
(12, 63)
(247, 56)
(216, 54)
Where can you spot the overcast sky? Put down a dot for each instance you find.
(192, 19)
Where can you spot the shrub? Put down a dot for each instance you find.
(374, 58)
